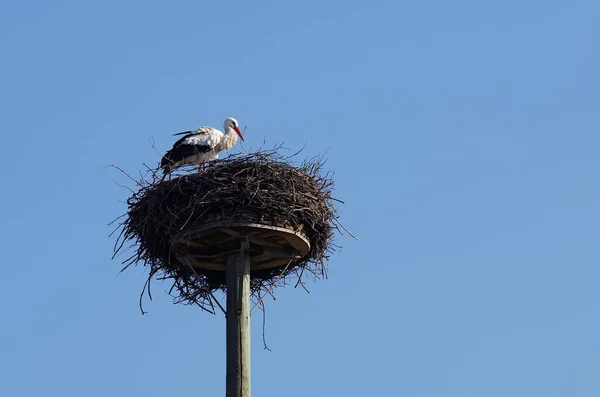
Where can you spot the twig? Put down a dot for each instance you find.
(281, 275)
(264, 316)
(344, 227)
(218, 303)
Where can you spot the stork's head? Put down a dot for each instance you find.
(230, 122)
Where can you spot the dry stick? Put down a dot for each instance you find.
(152, 143)
(120, 245)
(124, 187)
(260, 299)
(153, 171)
(209, 291)
(201, 306)
(264, 312)
(300, 280)
(344, 227)
(147, 283)
(189, 218)
(123, 172)
(218, 303)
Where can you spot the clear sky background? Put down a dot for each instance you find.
(464, 136)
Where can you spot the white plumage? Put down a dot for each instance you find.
(202, 145)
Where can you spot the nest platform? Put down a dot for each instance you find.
(183, 229)
(208, 246)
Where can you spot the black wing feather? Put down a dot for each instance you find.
(184, 133)
(179, 152)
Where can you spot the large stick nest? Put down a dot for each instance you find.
(262, 187)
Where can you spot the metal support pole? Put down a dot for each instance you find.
(238, 323)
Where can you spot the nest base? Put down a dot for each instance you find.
(207, 246)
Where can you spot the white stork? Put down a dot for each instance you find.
(201, 146)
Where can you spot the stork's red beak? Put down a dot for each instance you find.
(239, 133)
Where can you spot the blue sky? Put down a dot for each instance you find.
(464, 136)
